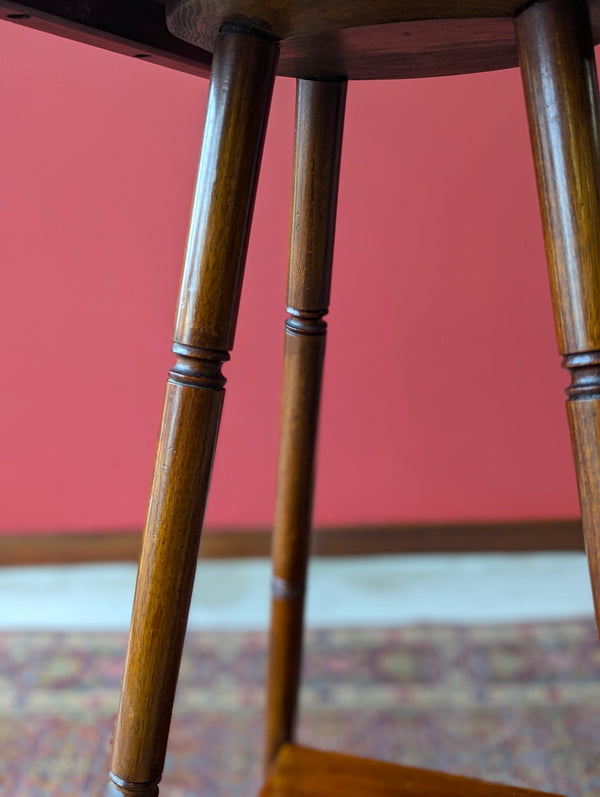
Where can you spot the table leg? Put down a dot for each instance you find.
(240, 93)
(319, 122)
(561, 91)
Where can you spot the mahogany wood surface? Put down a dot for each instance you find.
(584, 423)
(318, 141)
(302, 772)
(380, 39)
(136, 28)
(421, 38)
(240, 93)
(561, 93)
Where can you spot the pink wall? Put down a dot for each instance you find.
(443, 392)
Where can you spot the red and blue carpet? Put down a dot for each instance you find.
(513, 703)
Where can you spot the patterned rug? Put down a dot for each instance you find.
(518, 704)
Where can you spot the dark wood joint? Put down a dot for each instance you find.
(198, 367)
(585, 375)
(245, 28)
(306, 322)
(118, 787)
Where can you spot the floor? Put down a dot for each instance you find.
(389, 590)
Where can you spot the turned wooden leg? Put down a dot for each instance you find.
(561, 93)
(319, 122)
(240, 94)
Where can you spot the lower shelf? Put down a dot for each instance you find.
(302, 772)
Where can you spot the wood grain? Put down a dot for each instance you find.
(441, 37)
(302, 772)
(583, 409)
(318, 141)
(239, 98)
(561, 93)
(381, 39)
